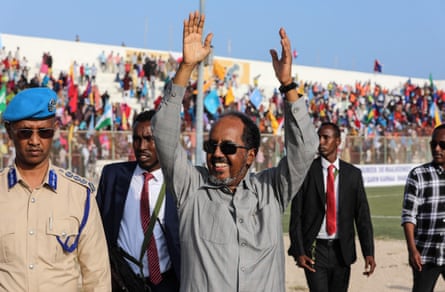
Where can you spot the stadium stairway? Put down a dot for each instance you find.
(106, 82)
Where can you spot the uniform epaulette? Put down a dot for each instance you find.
(78, 179)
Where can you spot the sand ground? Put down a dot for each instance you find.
(391, 274)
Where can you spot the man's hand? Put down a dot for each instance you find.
(193, 50)
(306, 262)
(369, 266)
(415, 261)
(414, 258)
(283, 65)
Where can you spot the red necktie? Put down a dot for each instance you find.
(152, 252)
(330, 202)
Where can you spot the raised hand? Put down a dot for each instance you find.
(193, 50)
(283, 65)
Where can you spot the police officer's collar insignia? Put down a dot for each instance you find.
(52, 105)
(12, 177)
(52, 179)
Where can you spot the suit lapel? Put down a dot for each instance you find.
(123, 180)
(319, 182)
(121, 187)
(342, 184)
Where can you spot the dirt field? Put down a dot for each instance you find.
(391, 274)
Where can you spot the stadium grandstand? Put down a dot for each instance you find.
(386, 120)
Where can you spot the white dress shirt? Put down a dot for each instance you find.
(131, 234)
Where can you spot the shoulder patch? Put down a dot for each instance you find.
(77, 178)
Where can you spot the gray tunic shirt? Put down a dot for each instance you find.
(232, 242)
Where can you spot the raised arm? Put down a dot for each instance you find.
(300, 137)
(166, 124)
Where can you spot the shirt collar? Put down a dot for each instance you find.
(50, 178)
(325, 163)
(157, 174)
(439, 169)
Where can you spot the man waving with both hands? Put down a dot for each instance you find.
(230, 219)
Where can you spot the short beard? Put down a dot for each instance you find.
(227, 181)
(221, 182)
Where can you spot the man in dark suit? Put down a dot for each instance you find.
(120, 198)
(322, 226)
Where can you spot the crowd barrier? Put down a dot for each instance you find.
(383, 160)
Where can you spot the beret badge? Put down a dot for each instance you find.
(52, 105)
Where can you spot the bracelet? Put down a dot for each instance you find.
(283, 89)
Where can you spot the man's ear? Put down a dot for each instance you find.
(251, 154)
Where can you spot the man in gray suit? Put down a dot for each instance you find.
(230, 219)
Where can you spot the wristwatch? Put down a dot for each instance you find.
(283, 89)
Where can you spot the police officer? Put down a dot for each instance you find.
(51, 234)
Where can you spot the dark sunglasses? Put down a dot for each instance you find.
(44, 133)
(440, 143)
(227, 148)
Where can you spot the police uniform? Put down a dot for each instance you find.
(50, 236)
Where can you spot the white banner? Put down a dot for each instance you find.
(377, 175)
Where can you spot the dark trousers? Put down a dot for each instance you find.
(425, 280)
(169, 283)
(331, 274)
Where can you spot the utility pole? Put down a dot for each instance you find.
(200, 105)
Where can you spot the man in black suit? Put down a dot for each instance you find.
(322, 229)
(121, 188)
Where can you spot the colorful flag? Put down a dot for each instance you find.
(70, 134)
(377, 66)
(437, 117)
(106, 119)
(97, 98)
(371, 115)
(229, 97)
(124, 121)
(3, 98)
(218, 70)
(212, 102)
(433, 87)
(435, 114)
(88, 90)
(256, 98)
(273, 122)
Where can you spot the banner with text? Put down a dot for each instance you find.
(378, 175)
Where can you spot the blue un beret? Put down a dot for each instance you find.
(32, 103)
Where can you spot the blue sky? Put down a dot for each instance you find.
(408, 37)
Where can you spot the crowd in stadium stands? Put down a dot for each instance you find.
(360, 109)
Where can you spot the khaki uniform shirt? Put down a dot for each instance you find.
(33, 221)
(232, 242)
